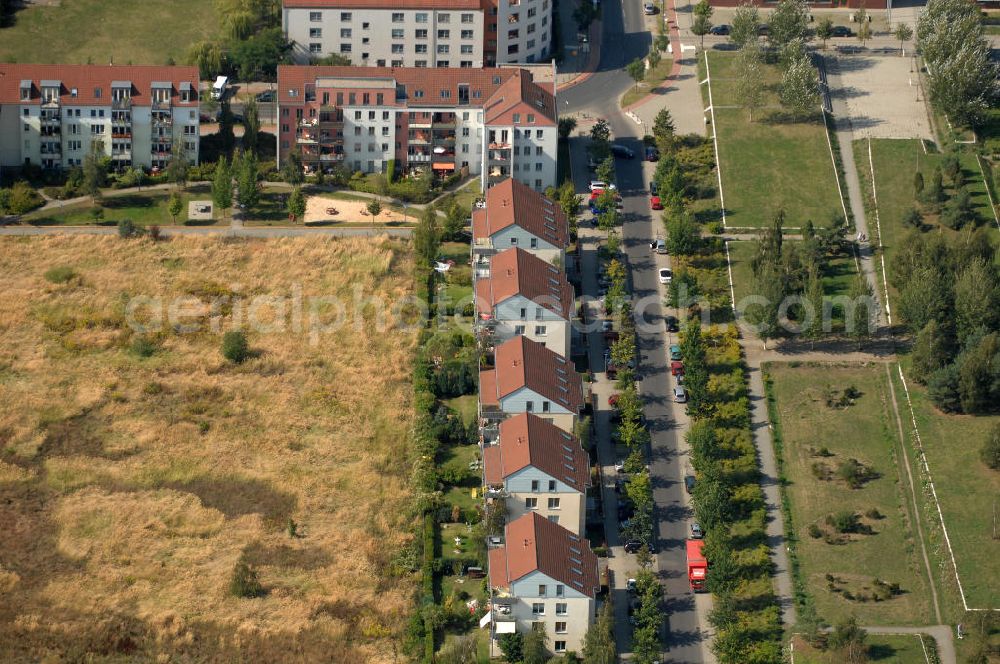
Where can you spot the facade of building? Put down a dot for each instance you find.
(537, 467)
(415, 119)
(529, 378)
(420, 33)
(520, 294)
(543, 574)
(515, 215)
(55, 115)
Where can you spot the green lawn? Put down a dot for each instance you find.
(144, 208)
(125, 31)
(817, 438)
(467, 406)
(653, 80)
(769, 165)
(882, 649)
(967, 491)
(836, 278)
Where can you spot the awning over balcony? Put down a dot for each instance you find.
(443, 166)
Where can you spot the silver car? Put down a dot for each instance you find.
(680, 394)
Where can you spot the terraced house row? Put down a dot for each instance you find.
(542, 570)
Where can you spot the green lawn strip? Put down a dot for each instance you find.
(966, 490)
(654, 79)
(708, 267)
(836, 277)
(144, 208)
(864, 431)
(882, 648)
(467, 406)
(724, 81)
(124, 32)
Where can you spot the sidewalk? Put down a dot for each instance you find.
(579, 60)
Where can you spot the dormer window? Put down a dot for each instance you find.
(97, 93)
(25, 93)
(517, 118)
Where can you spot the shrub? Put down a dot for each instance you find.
(844, 521)
(142, 347)
(60, 275)
(853, 472)
(126, 228)
(815, 531)
(245, 582)
(990, 453)
(234, 346)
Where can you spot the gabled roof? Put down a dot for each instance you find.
(528, 440)
(382, 4)
(533, 543)
(513, 203)
(521, 96)
(87, 79)
(518, 272)
(521, 362)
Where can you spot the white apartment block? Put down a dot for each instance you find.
(54, 115)
(363, 119)
(420, 33)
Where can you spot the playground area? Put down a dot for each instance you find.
(883, 96)
(324, 210)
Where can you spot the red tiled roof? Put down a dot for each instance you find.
(86, 79)
(513, 203)
(520, 95)
(381, 4)
(528, 440)
(521, 362)
(533, 543)
(427, 81)
(518, 272)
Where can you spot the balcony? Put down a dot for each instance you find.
(499, 156)
(332, 156)
(307, 139)
(122, 155)
(51, 120)
(53, 149)
(444, 139)
(444, 119)
(420, 123)
(163, 138)
(51, 131)
(418, 158)
(162, 121)
(121, 133)
(121, 104)
(420, 138)
(160, 105)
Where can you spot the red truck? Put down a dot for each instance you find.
(697, 565)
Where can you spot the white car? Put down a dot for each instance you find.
(597, 185)
(649, 9)
(665, 275)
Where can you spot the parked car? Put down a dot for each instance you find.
(649, 9)
(654, 203)
(633, 546)
(652, 154)
(620, 466)
(676, 368)
(696, 531)
(630, 585)
(675, 352)
(689, 482)
(680, 394)
(721, 29)
(660, 245)
(763, 29)
(622, 152)
(598, 185)
(653, 191)
(665, 275)
(613, 399)
(267, 95)
(673, 325)
(841, 31)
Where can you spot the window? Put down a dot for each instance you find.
(513, 34)
(542, 590)
(444, 18)
(467, 18)
(419, 63)
(444, 34)
(420, 48)
(420, 17)
(397, 33)
(531, 29)
(540, 332)
(397, 17)
(531, 12)
(534, 243)
(553, 503)
(539, 151)
(97, 129)
(530, 45)
(552, 485)
(538, 608)
(444, 48)
(560, 606)
(27, 127)
(534, 485)
(397, 63)
(529, 406)
(517, 118)
(25, 94)
(315, 33)
(345, 16)
(190, 130)
(385, 131)
(531, 118)
(513, 241)
(315, 48)
(465, 132)
(512, 49)
(560, 592)
(366, 25)
(345, 48)
(466, 49)
(560, 646)
(345, 33)
(467, 34)
(443, 63)
(97, 93)
(357, 116)
(315, 16)
(560, 628)
(538, 184)
(554, 518)
(421, 34)
(531, 503)
(285, 128)
(539, 134)
(538, 166)
(518, 330)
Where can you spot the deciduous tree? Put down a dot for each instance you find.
(746, 25)
(749, 77)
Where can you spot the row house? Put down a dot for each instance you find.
(515, 215)
(536, 467)
(420, 33)
(543, 574)
(53, 116)
(527, 377)
(414, 120)
(520, 294)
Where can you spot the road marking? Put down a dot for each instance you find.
(715, 142)
(878, 230)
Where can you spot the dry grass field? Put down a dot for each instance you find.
(130, 485)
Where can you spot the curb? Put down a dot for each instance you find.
(593, 59)
(676, 54)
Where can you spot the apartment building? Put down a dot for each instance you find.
(520, 294)
(487, 122)
(54, 115)
(527, 377)
(543, 574)
(420, 33)
(515, 215)
(535, 466)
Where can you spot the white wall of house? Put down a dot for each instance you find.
(389, 37)
(520, 400)
(518, 316)
(574, 611)
(524, 31)
(369, 138)
(517, 236)
(563, 504)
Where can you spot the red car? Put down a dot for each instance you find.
(676, 368)
(654, 202)
(613, 400)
